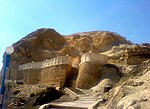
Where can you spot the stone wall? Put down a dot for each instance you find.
(31, 76)
(54, 72)
(51, 76)
(89, 74)
(55, 75)
(90, 69)
(51, 72)
(93, 57)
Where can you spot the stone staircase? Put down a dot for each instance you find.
(85, 101)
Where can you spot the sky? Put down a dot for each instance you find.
(129, 18)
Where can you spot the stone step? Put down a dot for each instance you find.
(84, 102)
(76, 91)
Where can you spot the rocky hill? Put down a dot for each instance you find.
(104, 64)
(47, 43)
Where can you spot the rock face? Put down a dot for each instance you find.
(37, 46)
(133, 92)
(98, 41)
(137, 54)
(110, 75)
(129, 54)
(112, 72)
(47, 44)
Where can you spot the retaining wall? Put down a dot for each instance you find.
(51, 72)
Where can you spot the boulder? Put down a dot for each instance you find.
(104, 86)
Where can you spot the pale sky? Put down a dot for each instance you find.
(130, 18)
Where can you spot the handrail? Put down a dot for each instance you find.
(47, 63)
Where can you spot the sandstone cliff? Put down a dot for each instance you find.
(47, 43)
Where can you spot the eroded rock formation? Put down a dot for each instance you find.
(47, 43)
(137, 54)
